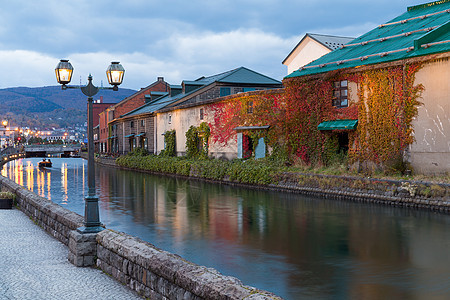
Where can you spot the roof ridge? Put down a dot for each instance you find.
(390, 37)
(139, 92)
(149, 104)
(330, 35)
(425, 5)
(415, 18)
(226, 73)
(245, 68)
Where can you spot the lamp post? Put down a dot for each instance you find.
(115, 74)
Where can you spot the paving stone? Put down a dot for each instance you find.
(34, 265)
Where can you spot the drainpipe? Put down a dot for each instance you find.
(155, 132)
(123, 137)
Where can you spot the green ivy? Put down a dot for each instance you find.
(170, 144)
(192, 141)
(205, 132)
(195, 136)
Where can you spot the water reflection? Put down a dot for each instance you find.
(297, 247)
(57, 183)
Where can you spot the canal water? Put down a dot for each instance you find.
(297, 247)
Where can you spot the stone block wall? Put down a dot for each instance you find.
(157, 274)
(54, 219)
(402, 193)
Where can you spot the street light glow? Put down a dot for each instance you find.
(64, 71)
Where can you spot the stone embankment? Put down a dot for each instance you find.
(402, 193)
(157, 274)
(152, 272)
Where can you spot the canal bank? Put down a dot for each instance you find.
(144, 268)
(401, 193)
(312, 248)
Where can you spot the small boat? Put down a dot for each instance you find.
(45, 164)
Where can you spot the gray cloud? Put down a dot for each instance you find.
(175, 39)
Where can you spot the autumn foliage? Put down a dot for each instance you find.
(386, 104)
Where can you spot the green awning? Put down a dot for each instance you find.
(130, 135)
(338, 125)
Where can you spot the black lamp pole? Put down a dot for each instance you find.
(64, 70)
(91, 211)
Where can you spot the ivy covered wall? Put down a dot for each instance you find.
(384, 101)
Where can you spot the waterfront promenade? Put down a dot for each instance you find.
(34, 265)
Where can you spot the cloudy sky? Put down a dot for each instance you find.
(174, 39)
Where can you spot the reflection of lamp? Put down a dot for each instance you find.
(114, 73)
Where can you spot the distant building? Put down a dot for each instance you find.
(6, 136)
(182, 107)
(311, 47)
(115, 111)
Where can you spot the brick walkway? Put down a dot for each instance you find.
(34, 265)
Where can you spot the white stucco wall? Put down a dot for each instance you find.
(430, 153)
(181, 121)
(305, 53)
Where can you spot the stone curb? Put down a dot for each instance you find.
(156, 273)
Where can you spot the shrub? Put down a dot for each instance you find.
(250, 171)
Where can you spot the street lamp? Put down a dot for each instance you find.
(115, 74)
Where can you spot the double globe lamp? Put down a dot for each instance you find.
(115, 74)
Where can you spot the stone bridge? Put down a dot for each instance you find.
(44, 150)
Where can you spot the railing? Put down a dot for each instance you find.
(49, 147)
(7, 157)
(8, 150)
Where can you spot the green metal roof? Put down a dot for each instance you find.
(338, 125)
(240, 75)
(243, 75)
(424, 29)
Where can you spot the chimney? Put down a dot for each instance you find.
(101, 99)
(160, 78)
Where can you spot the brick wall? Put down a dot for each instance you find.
(138, 99)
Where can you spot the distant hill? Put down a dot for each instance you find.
(23, 104)
(49, 98)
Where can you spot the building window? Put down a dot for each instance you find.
(225, 91)
(132, 124)
(142, 123)
(170, 119)
(250, 107)
(340, 93)
(201, 114)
